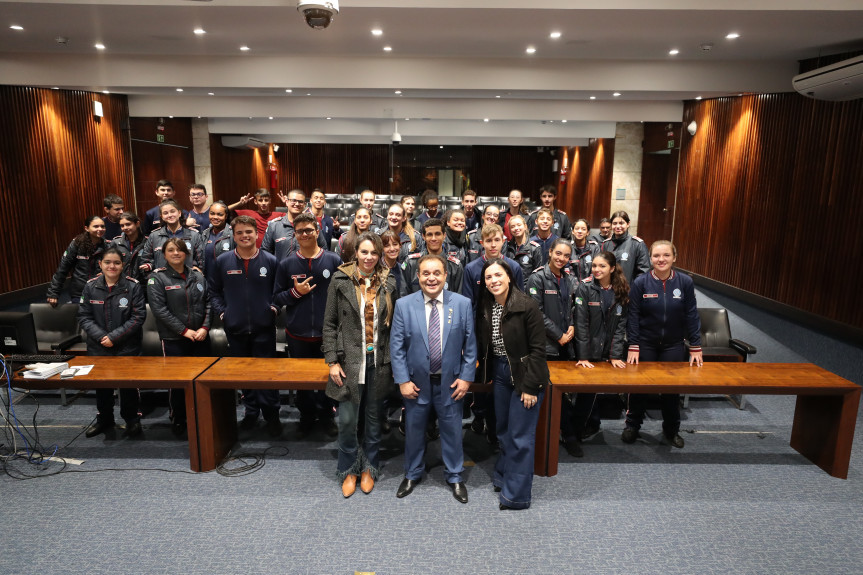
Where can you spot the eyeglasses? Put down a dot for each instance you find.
(293, 201)
(305, 232)
(197, 195)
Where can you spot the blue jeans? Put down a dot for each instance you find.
(353, 458)
(516, 431)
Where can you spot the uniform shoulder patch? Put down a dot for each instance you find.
(453, 259)
(93, 279)
(567, 270)
(535, 243)
(562, 212)
(133, 280)
(159, 270)
(539, 269)
(536, 211)
(638, 239)
(594, 242)
(587, 280)
(414, 256)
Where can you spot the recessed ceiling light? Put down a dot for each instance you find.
(211, 93)
(244, 48)
(328, 118)
(732, 36)
(697, 97)
(616, 94)
(593, 97)
(485, 119)
(106, 92)
(407, 119)
(200, 31)
(563, 121)
(308, 94)
(388, 48)
(377, 32)
(16, 27)
(555, 35)
(289, 91)
(673, 52)
(530, 50)
(441, 147)
(271, 117)
(551, 121)
(170, 116)
(55, 87)
(497, 96)
(179, 89)
(199, 117)
(398, 92)
(99, 46)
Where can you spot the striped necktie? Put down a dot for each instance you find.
(434, 338)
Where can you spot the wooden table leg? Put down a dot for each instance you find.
(823, 430)
(554, 404)
(217, 424)
(192, 428)
(540, 458)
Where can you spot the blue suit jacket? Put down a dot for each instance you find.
(409, 349)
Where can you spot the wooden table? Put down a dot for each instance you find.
(216, 399)
(137, 372)
(824, 418)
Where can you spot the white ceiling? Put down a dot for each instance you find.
(451, 60)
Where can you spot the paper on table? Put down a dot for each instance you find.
(83, 369)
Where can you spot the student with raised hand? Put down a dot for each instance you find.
(241, 294)
(111, 312)
(600, 307)
(583, 250)
(153, 256)
(218, 238)
(199, 215)
(516, 207)
(81, 259)
(662, 314)
(180, 302)
(263, 214)
(521, 249)
(356, 333)
(302, 281)
(113, 208)
(410, 240)
(630, 251)
(544, 235)
(131, 243)
(511, 353)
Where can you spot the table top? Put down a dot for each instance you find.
(114, 371)
(256, 370)
(713, 377)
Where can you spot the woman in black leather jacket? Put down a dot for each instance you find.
(511, 351)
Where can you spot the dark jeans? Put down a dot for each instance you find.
(313, 404)
(354, 459)
(669, 402)
(261, 344)
(182, 348)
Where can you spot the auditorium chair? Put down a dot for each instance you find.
(152, 344)
(718, 345)
(58, 332)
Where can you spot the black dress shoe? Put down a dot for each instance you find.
(406, 487)
(249, 422)
(274, 427)
(98, 427)
(675, 440)
(133, 429)
(497, 489)
(503, 507)
(459, 491)
(573, 447)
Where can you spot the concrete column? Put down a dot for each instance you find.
(201, 153)
(626, 174)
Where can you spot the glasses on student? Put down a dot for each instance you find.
(293, 201)
(305, 232)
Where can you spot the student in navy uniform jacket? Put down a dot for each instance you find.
(218, 238)
(131, 243)
(583, 250)
(433, 239)
(326, 225)
(521, 249)
(560, 226)
(302, 281)
(629, 250)
(493, 243)
(81, 258)
(662, 313)
(111, 313)
(241, 293)
(544, 235)
(410, 240)
(152, 256)
(152, 218)
(601, 305)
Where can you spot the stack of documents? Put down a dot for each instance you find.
(44, 370)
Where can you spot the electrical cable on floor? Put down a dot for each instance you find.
(246, 463)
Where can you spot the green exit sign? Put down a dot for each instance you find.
(160, 138)
(670, 143)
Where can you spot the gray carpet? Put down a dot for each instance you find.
(736, 499)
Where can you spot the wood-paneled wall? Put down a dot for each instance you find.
(170, 160)
(495, 170)
(769, 192)
(57, 163)
(587, 190)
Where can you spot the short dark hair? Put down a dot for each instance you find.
(112, 199)
(307, 218)
(550, 188)
(468, 193)
(130, 216)
(432, 222)
(263, 192)
(201, 187)
(427, 257)
(245, 221)
(164, 183)
(179, 242)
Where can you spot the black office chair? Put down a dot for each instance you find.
(57, 329)
(151, 345)
(718, 345)
(218, 339)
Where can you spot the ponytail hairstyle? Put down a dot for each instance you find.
(83, 241)
(618, 278)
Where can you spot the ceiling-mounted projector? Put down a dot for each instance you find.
(318, 13)
(838, 82)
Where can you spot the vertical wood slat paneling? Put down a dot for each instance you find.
(587, 191)
(495, 170)
(172, 160)
(769, 188)
(56, 165)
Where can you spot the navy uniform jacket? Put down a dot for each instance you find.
(152, 252)
(118, 312)
(631, 254)
(152, 220)
(304, 313)
(544, 245)
(82, 267)
(325, 227)
(179, 303)
(473, 222)
(560, 227)
(528, 255)
(243, 295)
(216, 245)
(409, 268)
(131, 254)
(279, 238)
(600, 331)
(663, 313)
(554, 297)
(474, 245)
(378, 222)
(581, 260)
(472, 271)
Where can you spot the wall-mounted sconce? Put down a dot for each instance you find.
(97, 110)
(692, 127)
(275, 147)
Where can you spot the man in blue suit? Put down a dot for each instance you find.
(433, 355)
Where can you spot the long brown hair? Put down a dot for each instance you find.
(349, 244)
(618, 278)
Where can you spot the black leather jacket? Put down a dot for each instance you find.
(178, 303)
(599, 334)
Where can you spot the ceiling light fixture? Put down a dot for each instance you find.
(485, 119)
(530, 50)
(200, 31)
(593, 97)
(563, 121)
(16, 27)
(616, 94)
(441, 147)
(697, 97)
(329, 118)
(673, 52)
(270, 117)
(407, 119)
(99, 46)
(179, 89)
(244, 48)
(398, 92)
(289, 91)
(388, 48)
(554, 35)
(275, 147)
(106, 92)
(377, 32)
(308, 94)
(497, 96)
(211, 93)
(732, 36)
